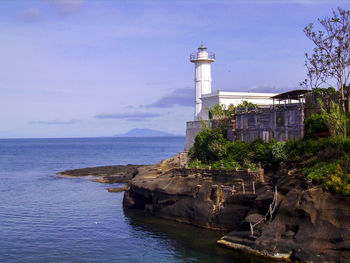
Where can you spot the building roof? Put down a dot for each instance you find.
(238, 95)
(291, 95)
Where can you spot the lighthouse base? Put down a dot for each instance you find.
(192, 129)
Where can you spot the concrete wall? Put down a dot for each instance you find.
(235, 98)
(192, 129)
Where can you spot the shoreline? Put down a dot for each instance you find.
(294, 233)
(108, 174)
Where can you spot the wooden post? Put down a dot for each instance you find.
(233, 190)
(276, 195)
(270, 209)
(253, 187)
(251, 229)
(243, 188)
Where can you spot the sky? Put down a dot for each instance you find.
(88, 68)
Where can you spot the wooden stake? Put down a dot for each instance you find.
(251, 229)
(270, 209)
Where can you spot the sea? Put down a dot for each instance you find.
(49, 218)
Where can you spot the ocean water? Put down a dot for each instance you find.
(47, 218)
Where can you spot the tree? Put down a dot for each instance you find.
(335, 120)
(219, 111)
(221, 116)
(245, 104)
(330, 61)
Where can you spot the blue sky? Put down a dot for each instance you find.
(81, 68)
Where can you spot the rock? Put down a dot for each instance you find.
(191, 199)
(254, 218)
(105, 174)
(118, 189)
(308, 225)
(289, 234)
(312, 223)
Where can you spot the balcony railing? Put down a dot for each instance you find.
(194, 56)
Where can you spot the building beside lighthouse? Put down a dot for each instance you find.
(205, 98)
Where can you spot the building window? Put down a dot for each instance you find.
(280, 119)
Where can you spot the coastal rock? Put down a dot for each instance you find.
(308, 225)
(191, 199)
(105, 174)
(118, 189)
(313, 224)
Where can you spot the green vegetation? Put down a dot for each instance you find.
(245, 104)
(219, 111)
(315, 126)
(211, 147)
(324, 91)
(323, 161)
(326, 161)
(335, 119)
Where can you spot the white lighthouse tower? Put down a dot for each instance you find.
(202, 60)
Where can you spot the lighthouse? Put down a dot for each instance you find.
(202, 60)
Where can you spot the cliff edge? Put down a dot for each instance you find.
(306, 224)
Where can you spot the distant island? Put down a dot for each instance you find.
(137, 132)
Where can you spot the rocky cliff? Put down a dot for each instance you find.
(307, 224)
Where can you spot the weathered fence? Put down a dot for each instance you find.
(269, 214)
(221, 174)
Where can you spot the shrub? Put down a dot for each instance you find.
(279, 152)
(219, 111)
(329, 166)
(335, 119)
(237, 151)
(338, 181)
(318, 172)
(260, 152)
(246, 104)
(314, 125)
(217, 149)
(330, 176)
(209, 145)
(195, 163)
(296, 150)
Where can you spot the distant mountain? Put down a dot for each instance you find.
(144, 133)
